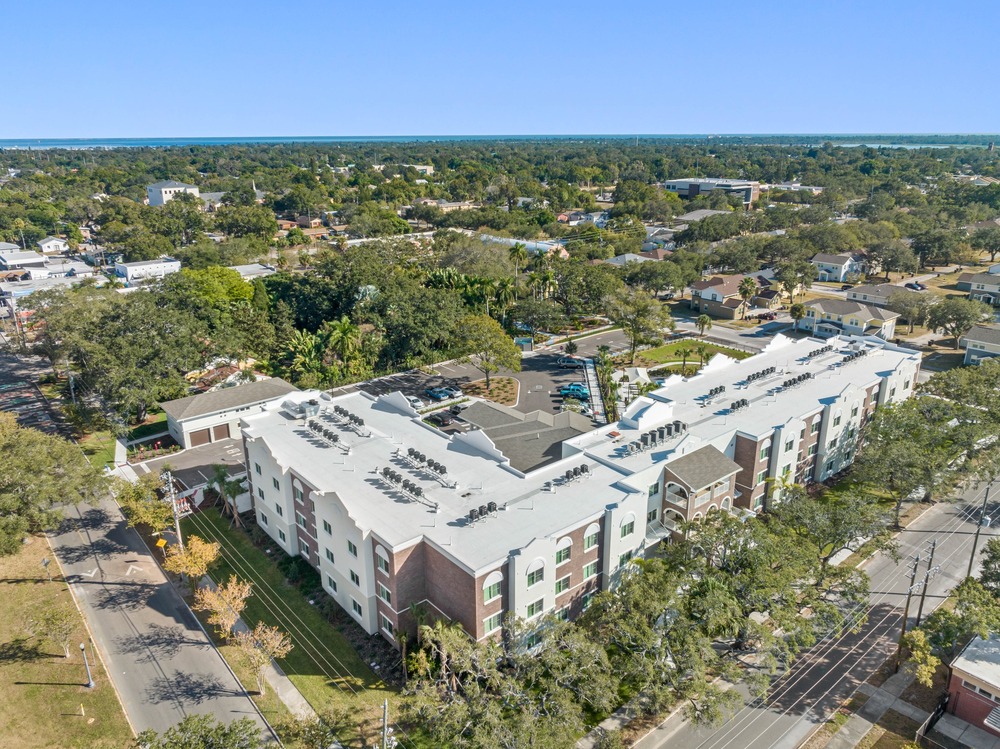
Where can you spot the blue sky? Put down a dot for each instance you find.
(358, 67)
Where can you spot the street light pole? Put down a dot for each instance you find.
(927, 578)
(979, 528)
(90, 679)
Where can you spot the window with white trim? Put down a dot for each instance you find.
(260, 492)
(276, 483)
(386, 624)
(536, 576)
(562, 584)
(256, 467)
(300, 519)
(590, 571)
(382, 563)
(628, 528)
(331, 583)
(384, 593)
(352, 548)
(357, 608)
(492, 623)
(263, 519)
(491, 592)
(329, 556)
(279, 510)
(355, 579)
(591, 541)
(327, 528)
(281, 535)
(535, 608)
(563, 614)
(297, 493)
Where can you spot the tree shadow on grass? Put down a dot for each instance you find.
(22, 650)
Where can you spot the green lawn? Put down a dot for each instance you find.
(323, 665)
(99, 447)
(42, 690)
(155, 424)
(668, 352)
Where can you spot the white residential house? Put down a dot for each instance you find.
(982, 342)
(160, 193)
(829, 317)
(876, 294)
(53, 246)
(18, 259)
(836, 267)
(144, 269)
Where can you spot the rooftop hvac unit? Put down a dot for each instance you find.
(386, 471)
(569, 475)
(645, 440)
(584, 469)
(483, 510)
(411, 452)
(662, 432)
(576, 472)
(669, 429)
(491, 506)
(473, 515)
(334, 438)
(442, 470)
(677, 426)
(418, 492)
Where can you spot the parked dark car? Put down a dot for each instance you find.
(846, 286)
(441, 418)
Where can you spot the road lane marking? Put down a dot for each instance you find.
(89, 574)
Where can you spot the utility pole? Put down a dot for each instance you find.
(906, 612)
(90, 679)
(927, 578)
(169, 479)
(385, 724)
(979, 528)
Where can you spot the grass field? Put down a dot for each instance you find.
(155, 424)
(668, 352)
(43, 691)
(99, 447)
(323, 665)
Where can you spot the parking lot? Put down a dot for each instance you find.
(193, 467)
(540, 379)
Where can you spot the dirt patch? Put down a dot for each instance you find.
(927, 698)
(893, 731)
(503, 390)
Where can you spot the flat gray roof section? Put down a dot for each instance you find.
(528, 441)
(226, 398)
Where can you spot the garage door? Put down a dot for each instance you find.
(201, 437)
(221, 432)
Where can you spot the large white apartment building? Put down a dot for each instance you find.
(160, 193)
(692, 187)
(394, 513)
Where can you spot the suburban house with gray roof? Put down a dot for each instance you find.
(830, 317)
(215, 415)
(836, 267)
(876, 294)
(982, 342)
(984, 287)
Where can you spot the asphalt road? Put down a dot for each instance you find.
(161, 662)
(826, 675)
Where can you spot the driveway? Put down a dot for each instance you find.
(194, 466)
(160, 660)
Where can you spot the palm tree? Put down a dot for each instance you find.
(701, 350)
(229, 489)
(704, 322)
(505, 294)
(519, 256)
(534, 282)
(747, 291)
(797, 311)
(305, 350)
(684, 352)
(343, 338)
(549, 284)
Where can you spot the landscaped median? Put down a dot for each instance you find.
(45, 701)
(323, 665)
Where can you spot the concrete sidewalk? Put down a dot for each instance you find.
(880, 701)
(281, 684)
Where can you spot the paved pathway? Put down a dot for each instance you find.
(160, 660)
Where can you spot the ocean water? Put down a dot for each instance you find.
(810, 139)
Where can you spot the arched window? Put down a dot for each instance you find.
(591, 536)
(726, 503)
(564, 549)
(492, 586)
(627, 525)
(536, 572)
(382, 559)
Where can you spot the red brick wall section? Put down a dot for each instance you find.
(574, 568)
(406, 582)
(451, 589)
(747, 454)
(484, 610)
(306, 535)
(970, 706)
